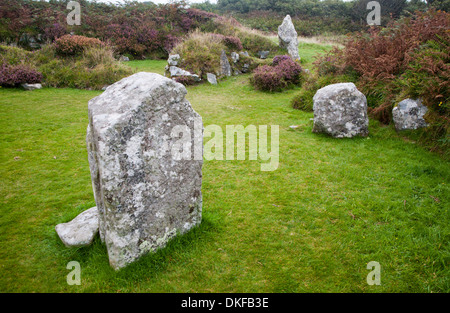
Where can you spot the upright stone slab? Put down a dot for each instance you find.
(340, 110)
(225, 66)
(145, 192)
(288, 37)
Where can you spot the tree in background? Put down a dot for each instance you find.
(440, 4)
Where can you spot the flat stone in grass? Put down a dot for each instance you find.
(212, 79)
(340, 110)
(145, 192)
(179, 72)
(81, 230)
(31, 87)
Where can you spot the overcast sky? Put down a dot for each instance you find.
(163, 1)
(156, 1)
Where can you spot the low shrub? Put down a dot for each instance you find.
(70, 45)
(254, 42)
(331, 62)
(304, 100)
(200, 53)
(55, 31)
(15, 55)
(186, 80)
(14, 75)
(64, 73)
(279, 58)
(268, 78)
(125, 39)
(427, 75)
(291, 71)
(94, 68)
(277, 77)
(93, 56)
(233, 43)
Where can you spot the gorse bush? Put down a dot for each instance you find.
(284, 73)
(69, 45)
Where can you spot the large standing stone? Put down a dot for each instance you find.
(288, 37)
(225, 66)
(340, 110)
(81, 230)
(408, 115)
(145, 192)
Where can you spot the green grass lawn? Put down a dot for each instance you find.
(310, 226)
(154, 66)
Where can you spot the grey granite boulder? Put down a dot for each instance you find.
(81, 230)
(147, 185)
(409, 115)
(340, 110)
(212, 79)
(288, 37)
